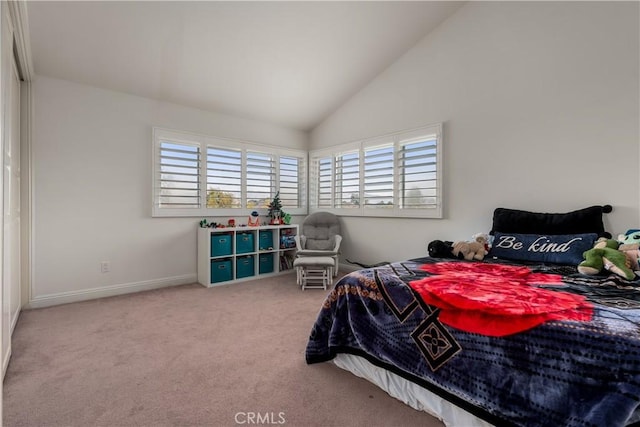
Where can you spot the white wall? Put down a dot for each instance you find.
(540, 104)
(539, 100)
(92, 190)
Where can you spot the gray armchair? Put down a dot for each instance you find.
(320, 237)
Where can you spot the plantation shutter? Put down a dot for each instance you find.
(291, 182)
(347, 178)
(224, 178)
(178, 181)
(418, 171)
(261, 179)
(378, 176)
(324, 183)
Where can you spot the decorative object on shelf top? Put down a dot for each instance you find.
(254, 220)
(205, 224)
(286, 218)
(275, 210)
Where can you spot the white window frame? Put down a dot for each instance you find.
(203, 141)
(397, 140)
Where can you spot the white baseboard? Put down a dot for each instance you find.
(5, 360)
(109, 291)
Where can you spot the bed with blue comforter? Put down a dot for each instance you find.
(571, 359)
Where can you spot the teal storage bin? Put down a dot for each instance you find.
(245, 266)
(244, 243)
(221, 244)
(265, 237)
(265, 263)
(221, 270)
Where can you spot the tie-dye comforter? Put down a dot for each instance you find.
(573, 361)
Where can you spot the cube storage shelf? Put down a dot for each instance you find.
(227, 255)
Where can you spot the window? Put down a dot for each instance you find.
(323, 193)
(348, 180)
(224, 178)
(261, 180)
(196, 175)
(291, 179)
(178, 175)
(378, 177)
(393, 175)
(417, 164)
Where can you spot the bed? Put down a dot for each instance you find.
(502, 341)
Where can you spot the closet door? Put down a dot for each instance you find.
(12, 208)
(11, 194)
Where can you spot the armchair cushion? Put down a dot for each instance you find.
(323, 244)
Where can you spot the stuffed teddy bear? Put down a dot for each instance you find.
(630, 245)
(605, 255)
(483, 238)
(471, 250)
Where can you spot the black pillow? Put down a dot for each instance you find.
(587, 220)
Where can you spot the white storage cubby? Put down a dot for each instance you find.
(227, 255)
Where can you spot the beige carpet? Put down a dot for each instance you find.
(187, 356)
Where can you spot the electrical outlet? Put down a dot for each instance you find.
(105, 266)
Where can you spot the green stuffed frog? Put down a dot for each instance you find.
(630, 245)
(605, 255)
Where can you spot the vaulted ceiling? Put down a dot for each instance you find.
(286, 63)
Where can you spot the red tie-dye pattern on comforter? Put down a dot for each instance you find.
(497, 300)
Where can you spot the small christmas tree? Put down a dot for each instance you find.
(275, 207)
